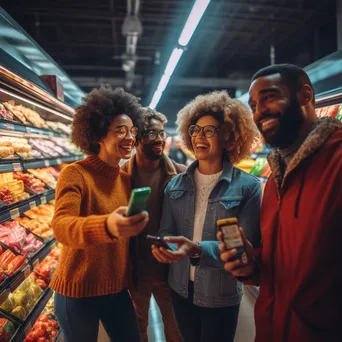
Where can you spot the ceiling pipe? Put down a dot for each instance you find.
(132, 30)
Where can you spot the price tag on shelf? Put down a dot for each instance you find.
(16, 166)
(43, 200)
(50, 134)
(47, 163)
(27, 271)
(35, 263)
(32, 204)
(33, 130)
(59, 161)
(4, 295)
(28, 328)
(9, 126)
(14, 213)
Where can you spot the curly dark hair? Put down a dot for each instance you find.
(98, 110)
(147, 114)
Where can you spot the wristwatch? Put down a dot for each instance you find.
(196, 258)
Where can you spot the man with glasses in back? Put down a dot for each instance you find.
(151, 167)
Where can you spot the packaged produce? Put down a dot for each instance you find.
(20, 146)
(21, 302)
(48, 175)
(43, 230)
(13, 235)
(15, 264)
(5, 113)
(26, 115)
(6, 258)
(45, 329)
(48, 147)
(7, 330)
(31, 181)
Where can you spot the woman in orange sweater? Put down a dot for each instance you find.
(92, 276)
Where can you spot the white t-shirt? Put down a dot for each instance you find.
(204, 184)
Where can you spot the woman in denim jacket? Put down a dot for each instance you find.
(206, 299)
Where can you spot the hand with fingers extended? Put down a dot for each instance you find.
(185, 248)
(233, 265)
(119, 225)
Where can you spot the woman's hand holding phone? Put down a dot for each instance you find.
(185, 248)
(120, 225)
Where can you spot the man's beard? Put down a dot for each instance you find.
(289, 125)
(149, 153)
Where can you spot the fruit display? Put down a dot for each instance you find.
(11, 190)
(258, 167)
(45, 329)
(44, 271)
(330, 111)
(5, 114)
(17, 113)
(48, 147)
(14, 236)
(6, 152)
(10, 263)
(48, 175)
(26, 115)
(246, 165)
(67, 145)
(7, 330)
(23, 299)
(20, 146)
(43, 230)
(31, 181)
(43, 213)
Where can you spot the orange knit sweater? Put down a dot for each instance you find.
(91, 263)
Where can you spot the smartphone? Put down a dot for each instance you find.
(159, 242)
(232, 237)
(138, 200)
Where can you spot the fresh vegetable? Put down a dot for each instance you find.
(7, 330)
(6, 258)
(16, 264)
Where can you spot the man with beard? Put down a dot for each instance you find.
(299, 272)
(151, 167)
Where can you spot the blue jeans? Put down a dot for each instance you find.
(199, 324)
(79, 317)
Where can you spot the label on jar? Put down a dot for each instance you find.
(233, 239)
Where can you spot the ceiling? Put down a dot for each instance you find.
(232, 41)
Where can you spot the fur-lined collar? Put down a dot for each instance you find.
(317, 137)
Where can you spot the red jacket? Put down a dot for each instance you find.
(301, 225)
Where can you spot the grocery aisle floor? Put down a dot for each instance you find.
(245, 330)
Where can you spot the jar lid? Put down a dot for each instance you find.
(232, 220)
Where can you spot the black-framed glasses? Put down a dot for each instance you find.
(123, 131)
(208, 131)
(153, 134)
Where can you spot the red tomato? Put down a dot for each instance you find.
(41, 332)
(43, 318)
(54, 333)
(42, 339)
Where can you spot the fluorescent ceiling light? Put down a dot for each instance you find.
(156, 97)
(163, 83)
(194, 18)
(173, 61)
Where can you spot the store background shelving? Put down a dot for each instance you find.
(21, 93)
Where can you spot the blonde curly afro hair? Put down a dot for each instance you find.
(237, 125)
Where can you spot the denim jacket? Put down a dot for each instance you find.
(236, 194)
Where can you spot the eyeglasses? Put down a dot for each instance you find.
(123, 131)
(152, 134)
(208, 131)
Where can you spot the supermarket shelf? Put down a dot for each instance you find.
(13, 282)
(35, 164)
(59, 337)
(18, 165)
(18, 127)
(26, 327)
(16, 210)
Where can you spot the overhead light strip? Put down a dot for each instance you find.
(194, 18)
